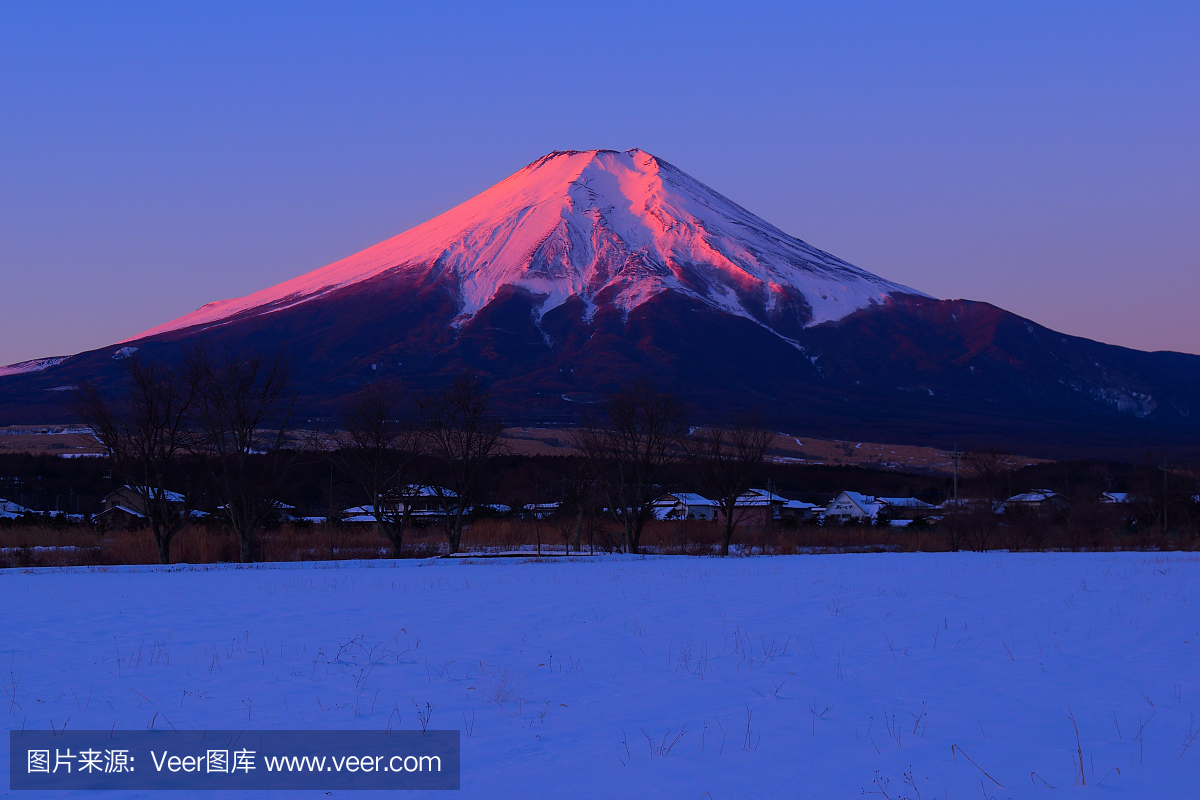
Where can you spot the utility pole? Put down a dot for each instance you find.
(956, 475)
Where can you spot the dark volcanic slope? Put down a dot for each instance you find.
(586, 269)
(913, 371)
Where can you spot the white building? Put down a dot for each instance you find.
(852, 506)
(780, 507)
(423, 502)
(11, 510)
(1040, 499)
(684, 505)
(859, 507)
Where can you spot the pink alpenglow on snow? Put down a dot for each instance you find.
(33, 365)
(605, 226)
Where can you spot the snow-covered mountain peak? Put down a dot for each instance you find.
(608, 227)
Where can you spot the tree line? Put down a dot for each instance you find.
(231, 418)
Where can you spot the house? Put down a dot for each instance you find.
(280, 512)
(539, 510)
(11, 510)
(1039, 499)
(865, 508)
(904, 507)
(130, 497)
(1116, 497)
(421, 500)
(762, 506)
(852, 506)
(969, 505)
(424, 503)
(126, 507)
(359, 514)
(684, 505)
(118, 517)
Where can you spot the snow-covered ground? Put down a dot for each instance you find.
(671, 677)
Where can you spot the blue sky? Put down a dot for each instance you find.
(1042, 157)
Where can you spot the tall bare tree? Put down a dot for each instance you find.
(727, 459)
(989, 471)
(462, 435)
(639, 433)
(144, 433)
(243, 411)
(578, 482)
(380, 450)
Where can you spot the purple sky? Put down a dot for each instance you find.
(157, 157)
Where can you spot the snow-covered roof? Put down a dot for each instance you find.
(1036, 496)
(763, 497)
(1116, 497)
(169, 496)
(9, 507)
(683, 498)
(865, 504)
(126, 509)
(970, 503)
(278, 505)
(903, 502)
(369, 512)
(798, 504)
(422, 490)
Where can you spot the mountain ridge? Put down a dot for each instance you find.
(586, 269)
(597, 224)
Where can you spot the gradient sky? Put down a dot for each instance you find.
(155, 157)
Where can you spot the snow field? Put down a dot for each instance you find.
(947, 675)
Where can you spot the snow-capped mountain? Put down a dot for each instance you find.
(585, 270)
(603, 226)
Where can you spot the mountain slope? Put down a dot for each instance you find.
(607, 227)
(584, 270)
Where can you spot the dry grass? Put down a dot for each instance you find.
(77, 545)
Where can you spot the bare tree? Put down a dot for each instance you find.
(243, 410)
(144, 435)
(954, 526)
(727, 459)
(577, 503)
(462, 435)
(578, 483)
(640, 432)
(380, 450)
(989, 470)
(1028, 526)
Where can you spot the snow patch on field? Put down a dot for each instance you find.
(798, 676)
